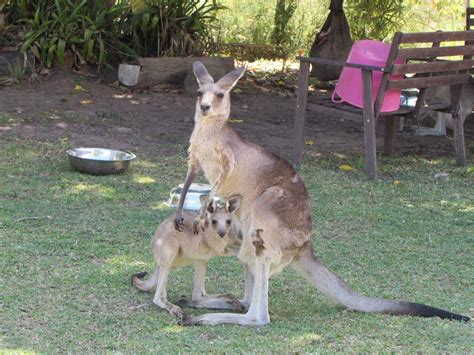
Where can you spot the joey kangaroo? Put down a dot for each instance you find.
(173, 249)
(274, 215)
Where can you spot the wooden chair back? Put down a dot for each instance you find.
(426, 63)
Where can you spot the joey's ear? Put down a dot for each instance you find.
(201, 73)
(230, 79)
(211, 207)
(233, 203)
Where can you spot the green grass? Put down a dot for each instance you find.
(65, 280)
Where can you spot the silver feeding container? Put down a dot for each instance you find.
(99, 161)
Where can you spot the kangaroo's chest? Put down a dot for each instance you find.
(207, 149)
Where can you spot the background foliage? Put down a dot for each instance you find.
(94, 31)
(252, 21)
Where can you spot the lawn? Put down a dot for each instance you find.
(66, 275)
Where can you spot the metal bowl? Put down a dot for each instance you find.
(192, 201)
(99, 161)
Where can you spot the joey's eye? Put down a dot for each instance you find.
(199, 93)
(228, 221)
(214, 222)
(220, 95)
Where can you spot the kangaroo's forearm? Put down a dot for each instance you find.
(192, 172)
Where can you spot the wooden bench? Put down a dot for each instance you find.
(427, 66)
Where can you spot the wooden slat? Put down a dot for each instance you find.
(369, 125)
(422, 94)
(434, 67)
(420, 53)
(427, 37)
(339, 63)
(386, 76)
(426, 82)
(388, 135)
(458, 129)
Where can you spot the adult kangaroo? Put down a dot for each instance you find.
(274, 215)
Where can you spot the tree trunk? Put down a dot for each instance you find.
(334, 41)
(283, 14)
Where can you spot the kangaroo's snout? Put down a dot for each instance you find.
(221, 233)
(205, 108)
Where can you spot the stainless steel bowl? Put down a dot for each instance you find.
(99, 161)
(191, 202)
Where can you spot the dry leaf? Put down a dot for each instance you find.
(86, 102)
(234, 120)
(310, 142)
(345, 167)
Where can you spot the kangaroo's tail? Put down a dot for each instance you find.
(336, 289)
(146, 285)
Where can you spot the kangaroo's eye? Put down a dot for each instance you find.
(220, 95)
(199, 93)
(228, 221)
(214, 222)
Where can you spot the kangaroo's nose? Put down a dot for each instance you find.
(205, 108)
(221, 233)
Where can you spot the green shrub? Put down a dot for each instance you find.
(87, 31)
(172, 27)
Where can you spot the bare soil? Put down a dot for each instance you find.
(93, 112)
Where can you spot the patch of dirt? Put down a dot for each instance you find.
(90, 112)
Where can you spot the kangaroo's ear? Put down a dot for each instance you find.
(230, 79)
(202, 74)
(211, 207)
(233, 203)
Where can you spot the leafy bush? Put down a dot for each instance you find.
(81, 29)
(172, 27)
(253, 21)
(375, 19)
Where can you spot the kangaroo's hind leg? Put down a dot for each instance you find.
(201, 300)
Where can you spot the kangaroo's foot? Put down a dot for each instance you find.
(225, 318)
(226, 301)
(172, 309)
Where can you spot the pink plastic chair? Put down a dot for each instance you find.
(349, 85)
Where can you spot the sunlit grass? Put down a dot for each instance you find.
(66, 279)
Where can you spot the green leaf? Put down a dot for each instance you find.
(60, 51)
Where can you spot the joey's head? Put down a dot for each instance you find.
(214, 98)
(219, 217)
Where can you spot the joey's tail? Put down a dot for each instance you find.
(336, 289)
(146, 285)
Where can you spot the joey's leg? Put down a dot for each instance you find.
(258, 311)
(201, 300)
(161, 299)
(146, 285)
